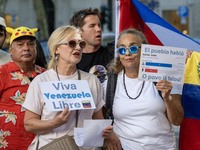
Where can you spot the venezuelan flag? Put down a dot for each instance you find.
(190, 128)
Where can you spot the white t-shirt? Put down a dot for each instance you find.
(141, 124)
(4, 57)
(35, 103)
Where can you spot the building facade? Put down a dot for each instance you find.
(182, 14)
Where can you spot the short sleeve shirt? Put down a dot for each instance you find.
(35, 103)
(14, 83)
(101, 57)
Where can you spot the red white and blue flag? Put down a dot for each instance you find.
(134, 14)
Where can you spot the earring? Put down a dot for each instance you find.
(56, 56)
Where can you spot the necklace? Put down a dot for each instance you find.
(79, 74)
(79, 78)
(127, 91)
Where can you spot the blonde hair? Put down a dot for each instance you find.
(116, 66)
(59, 36)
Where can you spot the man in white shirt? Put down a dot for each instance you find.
(4, 56)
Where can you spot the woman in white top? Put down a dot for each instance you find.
(65, 45)
(142, 116)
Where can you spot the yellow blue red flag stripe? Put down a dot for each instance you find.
(189, 138)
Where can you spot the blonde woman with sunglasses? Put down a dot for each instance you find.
(66, 46)
(142, 116)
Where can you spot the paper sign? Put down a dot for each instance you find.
(91, 134)
(162, 63)
(75, 94)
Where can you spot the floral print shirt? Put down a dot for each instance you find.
(14, 84)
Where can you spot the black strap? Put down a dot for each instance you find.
(160, 93)
(76, 118)
(110, 93)
(79, 78)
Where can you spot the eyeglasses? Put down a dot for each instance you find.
(132, 50)
(73, 44)
(2, 28)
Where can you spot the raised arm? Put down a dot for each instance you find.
(172, 102)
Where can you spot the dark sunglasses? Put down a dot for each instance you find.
(73, 44)
(2, 28)
(132, 50)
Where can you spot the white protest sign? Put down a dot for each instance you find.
(75, 94)
(162, 63)
(91, 134)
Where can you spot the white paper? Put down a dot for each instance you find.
(162, 63)
(79, 136)
(91, 134)
(74, 94)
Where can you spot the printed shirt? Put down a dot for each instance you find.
(101, 57)
(14, 83)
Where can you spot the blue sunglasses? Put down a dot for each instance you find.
(132, 50)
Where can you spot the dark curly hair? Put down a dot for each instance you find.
(77, 19)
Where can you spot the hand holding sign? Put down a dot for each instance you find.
(63, 116)
(165, 87)
(162, 63)
(74, 94)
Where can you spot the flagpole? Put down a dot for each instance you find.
(117, 16)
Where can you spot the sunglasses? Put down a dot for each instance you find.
(132, 50)
(73, 44)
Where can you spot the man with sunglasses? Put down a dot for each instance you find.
(4, 56)
(94, 55)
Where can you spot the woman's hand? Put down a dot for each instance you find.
(173, 105)
(188, 54)
(63, 116)
(165, 87)
(33, 122)
(112, 143)
(107, 132)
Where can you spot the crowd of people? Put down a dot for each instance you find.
(66, 46)
(143, 112)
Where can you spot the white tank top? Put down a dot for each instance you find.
(141, 123)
